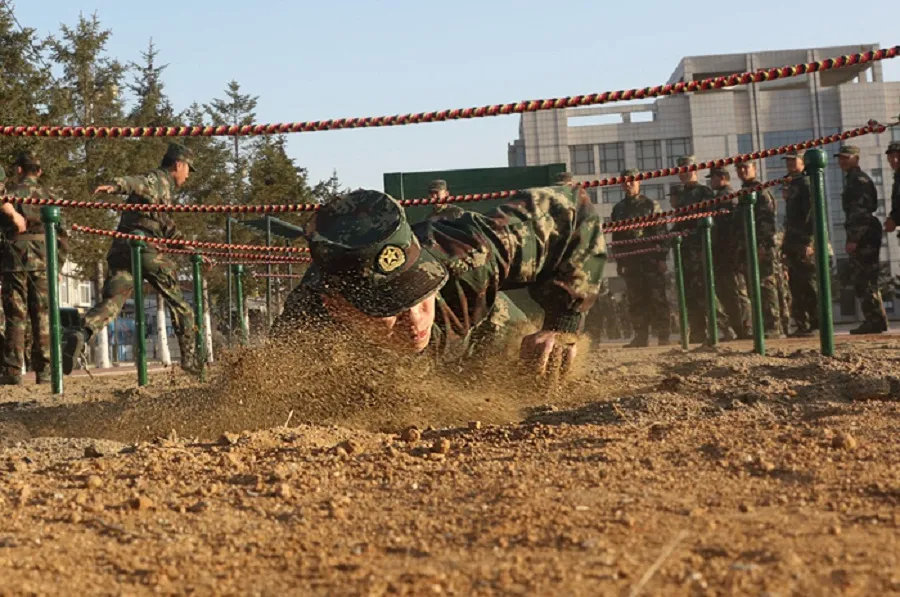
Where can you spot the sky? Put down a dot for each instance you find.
(316, 60)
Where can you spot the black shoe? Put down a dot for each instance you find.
(801, 332)
(73, 348)
(870, 327)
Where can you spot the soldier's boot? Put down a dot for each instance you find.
(870, 327)
(73, 349)
(8, 379)
(188, 355)
(640, 340)
(802, 331)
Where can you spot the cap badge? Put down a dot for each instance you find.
(391, 258)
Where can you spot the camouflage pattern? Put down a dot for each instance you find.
(796, 251)
(548, 239)
(692, 258)
(155, 188)
(645, 281)
(860, 201)
(765, 216)
(25, 294)
(731, 286)
(895, 198)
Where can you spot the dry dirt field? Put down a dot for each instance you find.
(651, 472)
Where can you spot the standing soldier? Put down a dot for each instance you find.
(769, 266)
(860, 200)
(731, 287)
(437, 190)
(25, 291)
(156, 188)
(692, 252)
(797, 247)
(645, 280)
(893, 156)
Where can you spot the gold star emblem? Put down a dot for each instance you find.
(391, 258)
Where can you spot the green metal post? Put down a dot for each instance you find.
(50, 218)
(239, 299)
(268, 274)
(228, 221)
(709, 277)
(748, 201)
(140, 322)
(200, 344)
(815, 161)
(679, 289)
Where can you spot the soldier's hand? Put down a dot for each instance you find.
(810, 251)
(890, 225)
(19, 222)
(105, 189)
(548, 352)
(851, 248)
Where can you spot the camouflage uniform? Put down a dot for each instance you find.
(731, 287)
(549, 239)
(25, 291)
(769, 264)
(155, 188)
(692, 259)
(801, 265)
(860, 200)
(895, 190)
(645, 281)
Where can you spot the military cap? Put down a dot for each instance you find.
(718, 172)
(437, 185)
(686, 160)
(26, 158)
(564, 177)
(894, 147)
(848, 150)
(364, 248)
(798, 154)
(176, 152)
(630, 172)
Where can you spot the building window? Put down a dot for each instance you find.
(582, 158)
(613, 195)
(877, 176)
(895, 133)
(653, 191)
(775, 167)
(745, 143)
(675, 148)
(592, 194)
(649, 155)
(612, 157)
(84, 293)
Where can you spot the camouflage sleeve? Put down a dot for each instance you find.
(146, 186)
(895, 198)
(766, 225)
(550, 241)
(805, 201)
(659, 228)
(861, 201)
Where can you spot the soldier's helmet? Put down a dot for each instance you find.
(564, 178)
(723, 172)
(847, 150)
(364, 249)
(176, 152)
(686, 160)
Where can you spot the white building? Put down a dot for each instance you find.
(597, 142)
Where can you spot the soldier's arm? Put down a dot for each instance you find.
(805, 200)
(766, 226)
(659, 228)
(144, 185)
(550, 240)
(895, 200)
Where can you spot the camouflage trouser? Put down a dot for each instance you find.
(731, 289)
(804, 292)
(771, 297)
(159, 271)
(695, 294)
(864, 269)
(25, 298)
(647, 303)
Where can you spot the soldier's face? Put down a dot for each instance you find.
(409, 331)
(181, 173)
(794, 165)
(847, 161)
(717, 182)
(894, 160)
(442, 194)
(686, 177)
(747, 171)
(632, 188)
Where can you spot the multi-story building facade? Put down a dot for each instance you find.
(596, 142)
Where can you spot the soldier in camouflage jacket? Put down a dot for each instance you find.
(797, 247)
(427, 288)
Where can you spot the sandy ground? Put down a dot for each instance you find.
(651, 472)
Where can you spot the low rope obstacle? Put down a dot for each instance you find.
(591, 99)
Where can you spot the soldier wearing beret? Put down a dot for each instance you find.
(644, 275)
(860, 200)
(893, 156)
(155, 188)
(797, 247)
(731, 287)
(426, 289)
(24, 268)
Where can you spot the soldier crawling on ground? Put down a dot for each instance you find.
(426, 289)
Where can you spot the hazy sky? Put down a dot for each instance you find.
(316, 60)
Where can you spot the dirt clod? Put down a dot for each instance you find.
(844, 441)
